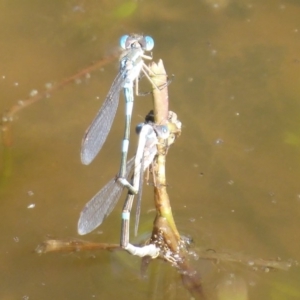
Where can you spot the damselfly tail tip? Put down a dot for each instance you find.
(86, 159)
(81, 227)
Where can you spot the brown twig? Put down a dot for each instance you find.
(165, 234)
(73, 245)
(161, 116)
(257, 264)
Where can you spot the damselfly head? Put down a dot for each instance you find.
(130, 41)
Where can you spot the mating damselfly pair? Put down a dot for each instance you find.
(131, 66)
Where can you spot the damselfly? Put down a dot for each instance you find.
(101, 205)
(131, 65)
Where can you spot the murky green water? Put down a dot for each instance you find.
(234, 174)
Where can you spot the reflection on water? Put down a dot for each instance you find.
(236, 66)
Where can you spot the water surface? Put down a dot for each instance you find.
(233, 174)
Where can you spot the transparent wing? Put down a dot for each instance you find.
(97, 133)
(101, 205)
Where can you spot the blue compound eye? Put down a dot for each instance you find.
(149, 43)
(123, 41)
